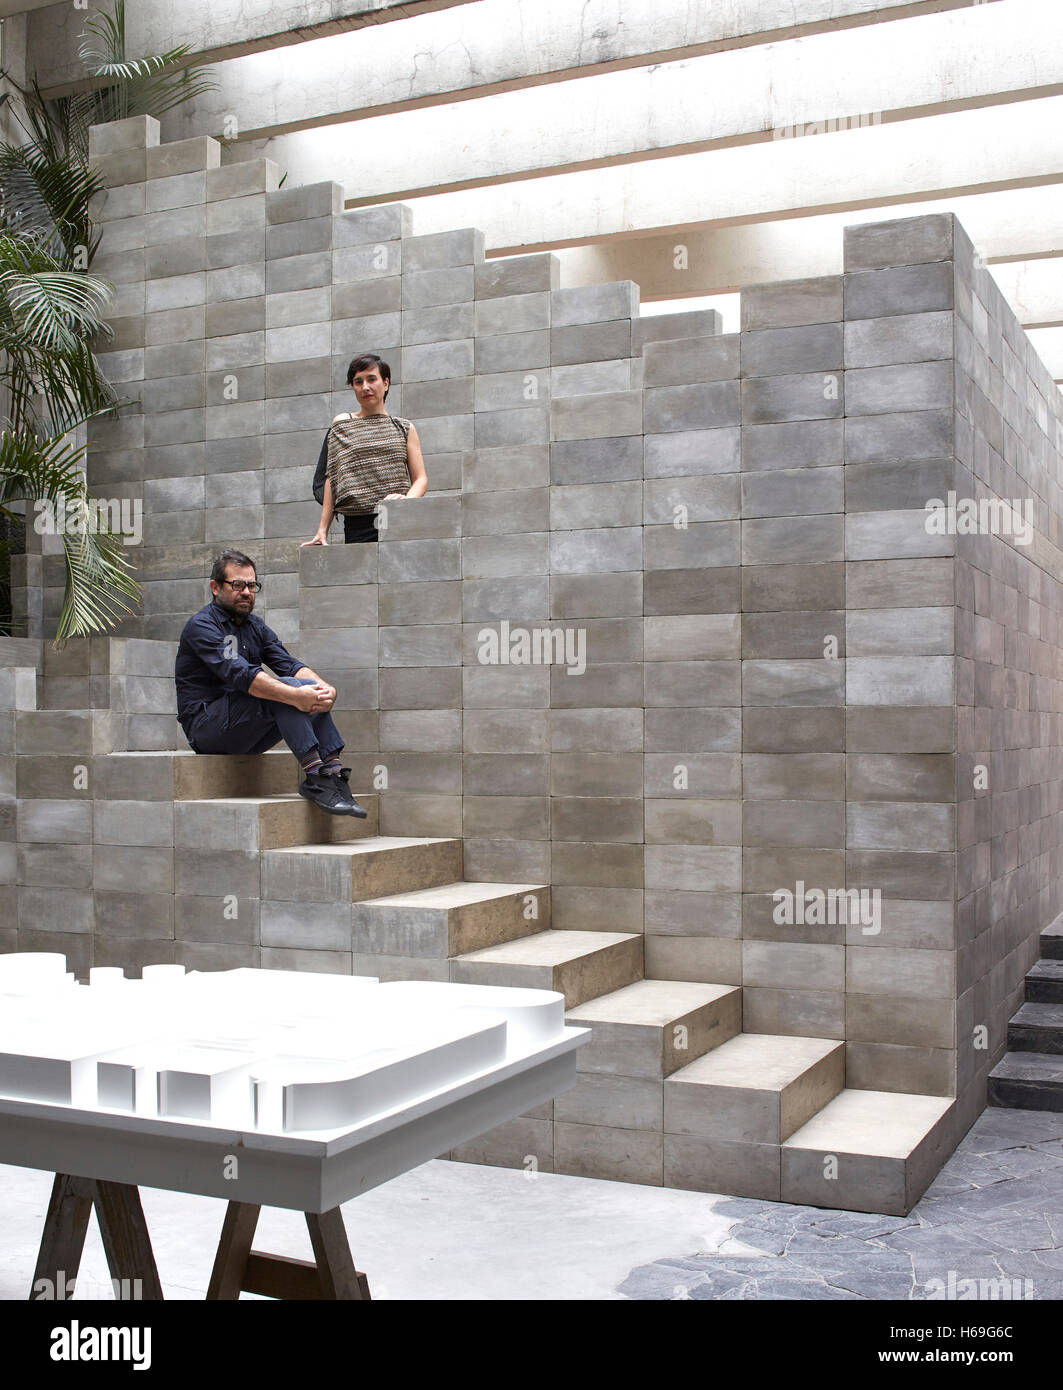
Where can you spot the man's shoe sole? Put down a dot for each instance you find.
(353, 810)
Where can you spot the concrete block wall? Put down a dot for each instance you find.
(788, 676)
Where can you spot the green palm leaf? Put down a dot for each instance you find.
(100, 589)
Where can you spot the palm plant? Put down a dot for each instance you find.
(52, 310)
(53, 384)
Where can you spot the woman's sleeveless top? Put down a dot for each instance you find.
(367, 460)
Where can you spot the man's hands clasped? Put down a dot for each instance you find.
(315, 699)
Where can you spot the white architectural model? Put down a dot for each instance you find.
(270, 1051)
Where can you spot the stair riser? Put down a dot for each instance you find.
(268, 825)
(199, 778)
(405, 870)
(624, 1049)
(338, 878)
(578, 980)
(443, 932)
(1023, 1038)
(1044, 991)
(1052, 947)
(1025, 1095)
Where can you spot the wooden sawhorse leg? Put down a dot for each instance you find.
(238, 1268)
(125, 1238)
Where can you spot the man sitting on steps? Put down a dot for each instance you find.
(226, 702)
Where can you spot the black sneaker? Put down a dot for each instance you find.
(344, 780)
(330, 793)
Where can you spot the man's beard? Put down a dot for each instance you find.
(238, 613)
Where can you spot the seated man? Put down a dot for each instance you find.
(226, 702)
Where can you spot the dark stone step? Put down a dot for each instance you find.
(1052, 941)
(1044, 983)
(1027, 1081)
(1037, 1028)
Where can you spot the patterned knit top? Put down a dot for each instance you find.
(367, 460)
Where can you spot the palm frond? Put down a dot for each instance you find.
(100, 588)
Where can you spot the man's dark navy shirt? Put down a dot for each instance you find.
(204, 668)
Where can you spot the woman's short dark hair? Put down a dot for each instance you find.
(227, 558)
(363, 363)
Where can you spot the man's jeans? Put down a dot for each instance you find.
(239, 723)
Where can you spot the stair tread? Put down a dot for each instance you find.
(1038, 1015)
(884, 1124)
(757, 1061)
(370, 844)
(1046, 970)
(650, 1003)
(457, 894)
(1029, 1066)
(549, 947)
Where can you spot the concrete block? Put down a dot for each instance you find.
(793, 682)
(900, 241)
(791, 303)
(692, 591)
(512, 314)
(793, 492)
(804, 396)
(360, 226)
(693, 730)
(703, 544)
(605, 460)
(309, 200)
(594, 303)
(928, 680)
(683, 362)
(885, 390)
(906, 289)
(498, 429)
(711, 405)
(599, 416)
(923, 434)
(517, 275)
(899, 338)
(784, 351)
(424, 289)
(437, 324)
(611, 595)
(595, 551)
(443, 249)
(305, 273)
(511, 352)
(792, 540)
(594, 342)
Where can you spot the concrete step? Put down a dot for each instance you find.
(1027, 1081)
(1044, 983)
(754, 1089)
(187, 776)
(451, 919)
(1037, 1028)
(578, 964)
(1052, 940)
(355, 869)
(267, 822)
(868, 1151)
(653, 1027)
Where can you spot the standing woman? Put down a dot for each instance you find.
(368, 458)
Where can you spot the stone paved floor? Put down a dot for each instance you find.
(994, 1213)
(454, 1231)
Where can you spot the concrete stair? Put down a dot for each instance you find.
(1030, 1074)
(754, 1089)
(578, 964)
(449, 920)
(1044, 982)
(867, 1151)
(670, 1090)
(352, 870)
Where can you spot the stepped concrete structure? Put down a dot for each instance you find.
(677, 693)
